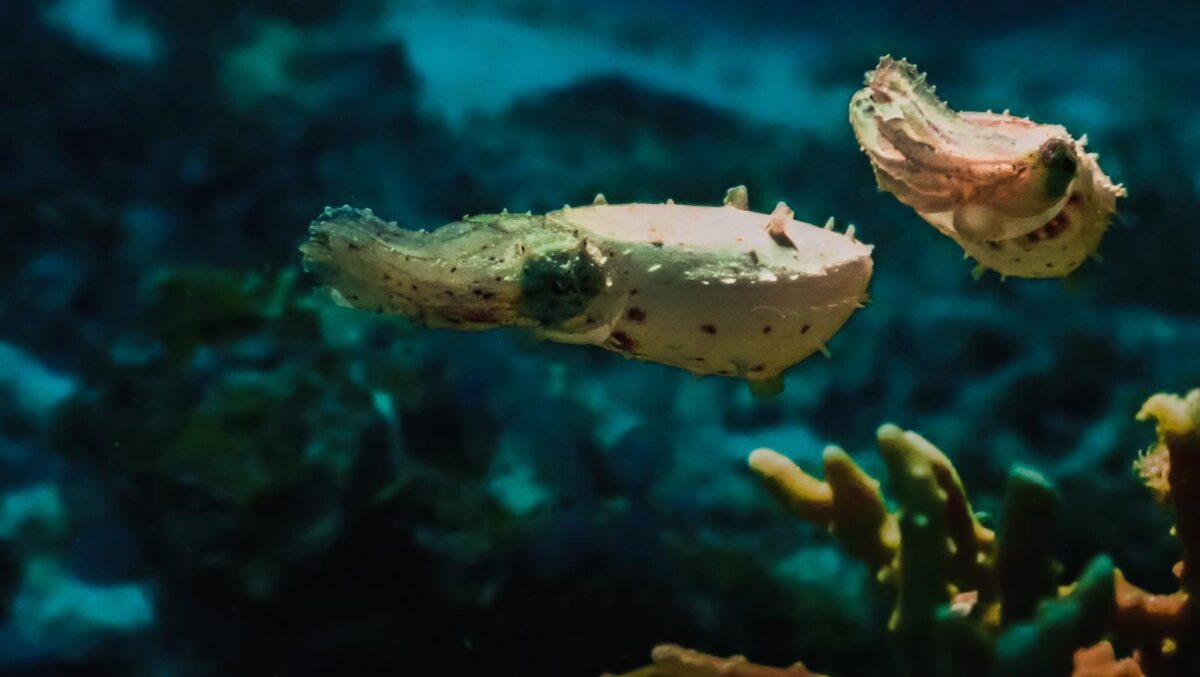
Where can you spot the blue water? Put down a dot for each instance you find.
(207, 467)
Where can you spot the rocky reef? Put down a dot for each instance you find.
(207, 468)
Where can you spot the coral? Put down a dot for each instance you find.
(714, 290)
(1165, 629)
(970, 601)
(217, 427)
(34, 389)
(1022, 198)
(33, 519)
(1101, 661)
(676, 661)
(54, 609)
(68, 615)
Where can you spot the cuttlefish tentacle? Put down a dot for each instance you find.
(714, 290)
(1022, 198)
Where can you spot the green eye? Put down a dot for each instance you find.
(1060, 169)
(557, 286)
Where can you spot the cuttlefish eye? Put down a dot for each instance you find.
(558, 285)
(1060, 165)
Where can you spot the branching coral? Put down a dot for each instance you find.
(675, 661)
(970, 601)
(963, 596)
(1166, 628)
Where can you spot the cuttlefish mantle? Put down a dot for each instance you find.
(713, 290)
(1022, 198)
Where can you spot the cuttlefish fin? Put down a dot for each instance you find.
(766, 387)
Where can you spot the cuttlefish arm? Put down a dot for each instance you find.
(463, 275)
(1023, 198)
(487, 271)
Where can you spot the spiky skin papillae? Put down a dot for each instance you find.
(1022, 198)
(714, 290)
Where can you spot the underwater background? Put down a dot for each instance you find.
(206, 467)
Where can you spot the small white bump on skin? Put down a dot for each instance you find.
(738, 198)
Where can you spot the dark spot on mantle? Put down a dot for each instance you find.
(636, 314)
(480, 315)
(622, 341)
(1057, 225)
(708, 329)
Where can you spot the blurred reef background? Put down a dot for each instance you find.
(207, 468)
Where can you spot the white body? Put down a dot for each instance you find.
(714, 290)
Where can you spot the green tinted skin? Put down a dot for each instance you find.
(1060, 170)
(559, 285)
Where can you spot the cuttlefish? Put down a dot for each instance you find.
(1022, 198)
(713, 290)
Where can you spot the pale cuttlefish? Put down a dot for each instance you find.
(1021, 198)
(713, 290)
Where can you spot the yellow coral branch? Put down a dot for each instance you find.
(675, 661)
(806, 496)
